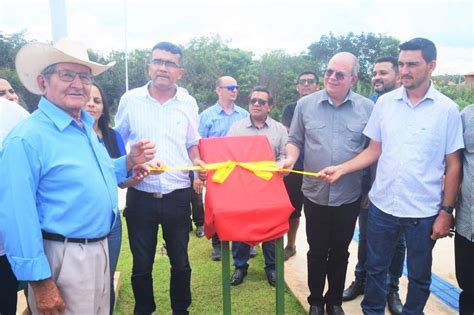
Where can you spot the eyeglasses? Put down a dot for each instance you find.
(166, 63)
(69, 76)
(307, 81)
(259, 101)
(339, 75)
(230, 88)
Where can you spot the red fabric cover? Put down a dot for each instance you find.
(245, 207)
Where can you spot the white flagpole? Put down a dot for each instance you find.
(125, 37)
(58, 19)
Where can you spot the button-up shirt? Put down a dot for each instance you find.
(415, 139)
(56, 177)
(465, 208)
(274, 131)
(215, 122)
(10, 115)
(330, 135)
(172, 126)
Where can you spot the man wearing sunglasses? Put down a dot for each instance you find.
(258, 123)
(416, 136)
(216, 120)
(327, 126)
(167, 114)
(307, 83)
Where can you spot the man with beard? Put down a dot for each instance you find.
(416, 138)
(385, 78)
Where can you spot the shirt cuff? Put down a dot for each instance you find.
(120, 168)
(30, 269)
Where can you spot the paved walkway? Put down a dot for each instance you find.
(443, 267)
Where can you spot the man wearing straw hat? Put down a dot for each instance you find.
(59, 197)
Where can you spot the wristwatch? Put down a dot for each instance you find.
(448, 209)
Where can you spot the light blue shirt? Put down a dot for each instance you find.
(215, 122)
(172, 126)
(56, 177)
(415, 141)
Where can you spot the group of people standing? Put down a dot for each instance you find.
(60, 224)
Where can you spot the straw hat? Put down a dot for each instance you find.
(33, 58)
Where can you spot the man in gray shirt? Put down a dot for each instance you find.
(464, 239)
(328, 125)
(258, 123)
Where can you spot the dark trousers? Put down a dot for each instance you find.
(197, 205)
(329, 232)
(464, 256)
(383, 233)
(395, 270)
(241, 255)
(144, 214)
(8, 288)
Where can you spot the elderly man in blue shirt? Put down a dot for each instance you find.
(59, 187)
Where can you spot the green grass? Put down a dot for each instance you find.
(253, 296)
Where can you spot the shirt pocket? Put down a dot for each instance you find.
(315, 131)
(354, 137)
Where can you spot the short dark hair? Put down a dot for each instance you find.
(264, 90)
(390, 59)
(169, 47)
(427, 47)
(308, 72)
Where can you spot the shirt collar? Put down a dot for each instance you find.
(401, 94)
(59, 117)
(349, 97)
(250, 123)
(180, 94)
(219, 109)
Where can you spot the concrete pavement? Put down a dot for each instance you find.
(443, 267)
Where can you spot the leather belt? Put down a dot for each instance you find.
(61, 238)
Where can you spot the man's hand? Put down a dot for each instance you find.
(198, 185)
(140, 153)
(442, 225)
(286, 164)
(47, 296)
(331, 174)
(141, 171)
(202, 173)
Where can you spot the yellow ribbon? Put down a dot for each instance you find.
(262, 169)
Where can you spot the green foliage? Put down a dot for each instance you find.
(460, 94)
(208, 58)
(367, 47)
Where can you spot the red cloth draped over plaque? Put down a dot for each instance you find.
(245, 207)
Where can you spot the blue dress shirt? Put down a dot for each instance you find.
(215, 122)
(56, 177)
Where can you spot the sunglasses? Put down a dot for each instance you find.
(230, 88)
(339, 75)
(168, 64)
(307, 81)
(259, 101)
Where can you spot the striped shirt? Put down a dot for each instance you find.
(172, 126)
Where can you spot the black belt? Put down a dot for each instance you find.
(156, 195)
(61, 238)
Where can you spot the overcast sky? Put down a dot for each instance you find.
(256, 25)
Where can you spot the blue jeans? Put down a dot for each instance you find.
(395, 270)
(144, 213)
(241, 255)
(383, 233)
(115, 242)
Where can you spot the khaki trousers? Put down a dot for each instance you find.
(81, 272)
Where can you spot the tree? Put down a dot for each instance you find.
(208, 58)
(367, 47)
